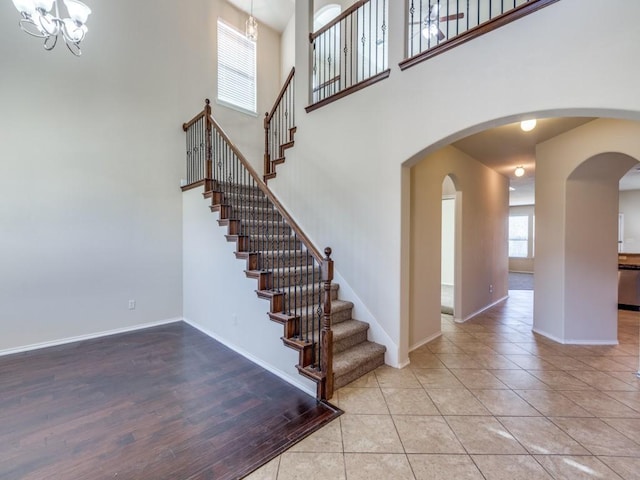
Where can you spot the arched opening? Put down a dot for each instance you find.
(558, 206)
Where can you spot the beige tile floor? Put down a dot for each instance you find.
(487, 400)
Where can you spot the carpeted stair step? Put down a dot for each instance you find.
(355, 362)
(258, 212)
(281, 278)
(310, 294)
(253, 227)
(340, 312)
(237, 199)
(273, 242)
(284, 258)
(348, 334)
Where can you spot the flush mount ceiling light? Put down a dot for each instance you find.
(41, 18)
(251, 27)
(528, 125)
(519, 171)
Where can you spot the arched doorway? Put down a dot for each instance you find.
(577, 196)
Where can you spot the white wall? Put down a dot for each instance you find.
(351, 171)
(630, 206)
(91, 155)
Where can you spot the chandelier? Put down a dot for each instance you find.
(251, 26)
(41, 18)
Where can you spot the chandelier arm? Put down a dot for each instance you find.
(76, 47)
(49, 45)
(29, 21)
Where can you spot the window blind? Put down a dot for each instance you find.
(236, 68)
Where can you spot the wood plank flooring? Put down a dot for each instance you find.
(162, 403)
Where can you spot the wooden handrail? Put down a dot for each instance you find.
(263, 187)
(338, 19)
(269, 115)
(202, 114)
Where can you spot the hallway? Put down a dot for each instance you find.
(487, 400)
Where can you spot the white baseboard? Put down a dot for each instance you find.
(469, 317)
(249, 356)
(424, 342)
(89, 336)
(574, 342)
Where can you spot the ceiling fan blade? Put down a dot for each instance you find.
(441, 35)
(455, 16)
(434, 12)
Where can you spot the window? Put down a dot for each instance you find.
(236, 69)
(519, 236)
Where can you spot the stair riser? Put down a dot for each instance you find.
(298, 299)
(350, 341)
(250, 214)
(298, 280)
(284, 260)
(336, 317)
(241, 199)
(371, 365)
(274, 244)
(233, 187)
(268, 229)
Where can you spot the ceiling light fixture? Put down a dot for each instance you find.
(41, 18)
(528, 125)
(251, 27)
(519, 171)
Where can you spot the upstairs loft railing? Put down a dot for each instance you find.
(279, 125)
(350, 52)
(291, 271)
(435, 26)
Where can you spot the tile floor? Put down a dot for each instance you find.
(487, 400)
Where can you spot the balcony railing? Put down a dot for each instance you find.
(350, 52)
(434, 26)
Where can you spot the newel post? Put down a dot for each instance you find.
(267, 159)
(326, 334)
(208, 175)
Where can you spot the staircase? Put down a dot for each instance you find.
(353, 354)
(290, 272)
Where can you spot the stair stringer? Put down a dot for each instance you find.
(282, 148)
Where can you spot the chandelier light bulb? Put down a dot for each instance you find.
(528, 125)
(519, 171)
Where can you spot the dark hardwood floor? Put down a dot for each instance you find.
(162, 403)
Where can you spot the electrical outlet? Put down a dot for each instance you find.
(490, 288)
(132, 304)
